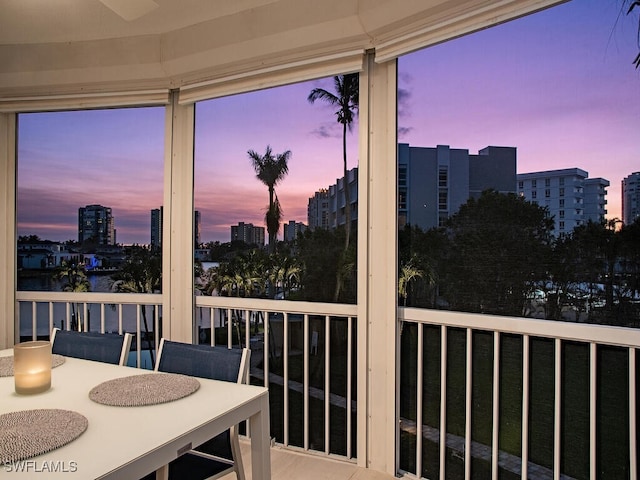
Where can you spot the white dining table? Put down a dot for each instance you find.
(130, 442)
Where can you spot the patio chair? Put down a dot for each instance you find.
(100, 347)
(221, 454)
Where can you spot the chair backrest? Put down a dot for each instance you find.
(217, 363)
(101, 347)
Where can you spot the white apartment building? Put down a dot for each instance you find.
(571, 197)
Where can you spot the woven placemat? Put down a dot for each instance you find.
(145, 389)
(28, 433)
(6, 364)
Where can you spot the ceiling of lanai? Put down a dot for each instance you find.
(69, 46)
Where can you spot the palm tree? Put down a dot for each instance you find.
(633, 4)
(346, 99)
(74, 279)
(284, 273)
(409, 272)
(270, 170)
(141, 273)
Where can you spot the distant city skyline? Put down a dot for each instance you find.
(558, 85)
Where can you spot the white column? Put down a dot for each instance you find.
(377, 267)
(177, 241)
(8, 231)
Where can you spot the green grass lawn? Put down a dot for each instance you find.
(612, 401)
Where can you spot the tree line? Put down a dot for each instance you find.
(498, 255)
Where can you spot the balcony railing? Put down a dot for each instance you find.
(136, 313)
(516, 398)
(311, 376)
(491, 396)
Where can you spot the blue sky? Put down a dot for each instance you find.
(558, 85)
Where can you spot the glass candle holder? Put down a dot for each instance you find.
(32, 367)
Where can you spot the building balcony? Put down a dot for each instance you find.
(374, 390)
(499, 394)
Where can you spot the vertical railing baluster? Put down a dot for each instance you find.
(230, 328)
(51, 320)
(593, 359)
(285, 368)
(557, 418)
(247, 329)
(525, 407)
(419, 400)
(633, 439)
(138, 337)
(85, 320)
(305, 381)
(468, 405)
(212, 312)
(34, 320)
(349, 381)
(495, 444)
(102, 318)
(265, 348)
(120, 329)
(327, 385)
(68, 314)
(156, 333)
(443, 401)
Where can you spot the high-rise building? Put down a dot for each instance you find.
(248, 233)
(337, 200)
(292, 229)
(318, 210)
(96, 224)
(631, 198)
(156, 227)
(571, 197)
(434, 182)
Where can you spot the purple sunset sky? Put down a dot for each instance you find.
(558, 85)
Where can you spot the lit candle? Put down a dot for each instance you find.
(32, 367)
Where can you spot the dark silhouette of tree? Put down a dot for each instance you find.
(565, 268)
(270, 170)
(497, 252)
(630, 263)
(424, 251)
(317, 251)
(141, 273)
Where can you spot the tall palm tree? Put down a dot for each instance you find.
(346, 99)
(270, 170)
(73, 276)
